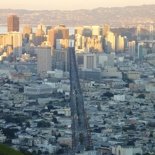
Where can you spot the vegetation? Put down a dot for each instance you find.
(10, 133)
(5, 150)
(54, 119)
(81, 138)
(108, 94)
(142, 96)
(43, 124)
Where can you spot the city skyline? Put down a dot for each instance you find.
(71, 5)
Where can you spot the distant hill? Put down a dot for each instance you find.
(116, 16)
(5, 150)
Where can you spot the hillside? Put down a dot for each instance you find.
(5, 150)
(116, 17)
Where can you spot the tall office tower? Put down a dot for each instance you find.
(87, 31)
(17, 43)
(106, 29)
(27, 30)
(44, 59)
(65, 33)
(95, 30)
(13, 23)
(132, 47)
(151, 32)
(60, 59)
(119, 43)
(51, 37)
(61, 43)
(59, 32)
(81, 138)
(78, 30)
(140, 51)
(89, 61)
(78, 42)
(125, 43)
(39, 37)
(6, 42)
(110, 42)
(139, 28)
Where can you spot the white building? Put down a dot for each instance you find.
(119, 97)
(38, 89)
(150, 87)
(126, 150)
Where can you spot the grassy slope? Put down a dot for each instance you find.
(5, 150)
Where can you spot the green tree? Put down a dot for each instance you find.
(43, 124)
(81, 138)
(142, 96)
(5, 150)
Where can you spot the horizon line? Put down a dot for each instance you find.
(76, 9)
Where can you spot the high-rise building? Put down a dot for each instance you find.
(61, 43)
(151, 32)
(59, 32)
(132, 47)
(78, 30)
(65, 33)
(17, 43)
(13, 23)
(89, 61)
(87, 31)
(95, 30)
(39, 37)
(51, 37)
(110, 42)
(140, 51)
(106, 29)
(44, 59)
(27, 30)
(119, 43)
(60, 59)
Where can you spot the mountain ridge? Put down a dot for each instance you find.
(115, 16)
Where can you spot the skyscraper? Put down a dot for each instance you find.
(27, 30)
(51, 37)
(119, 44)
(44, 59)
(106, 29)
(95, 30)
(89, 61)
(17, 43)
(110, 42)
(13, 23)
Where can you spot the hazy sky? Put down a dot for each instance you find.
(68, 4)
